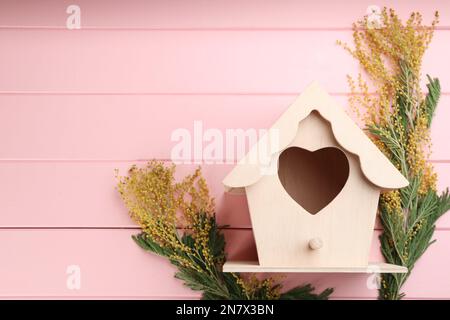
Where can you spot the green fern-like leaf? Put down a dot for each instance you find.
(305, 293)
(432, 97)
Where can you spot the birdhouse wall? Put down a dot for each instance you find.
(342, 229)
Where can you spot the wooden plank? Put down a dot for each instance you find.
(99, 61)
(440, 133)
(135, 127)
(34, 264)
(82, 194)
(208, 14)
(254, 267)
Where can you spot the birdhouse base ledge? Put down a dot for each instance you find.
(253, 266)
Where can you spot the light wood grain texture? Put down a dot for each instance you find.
(253, 266)
(304, 202)
(283, 228)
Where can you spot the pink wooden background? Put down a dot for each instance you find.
(76, 104)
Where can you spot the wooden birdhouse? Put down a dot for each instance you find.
(312, 184)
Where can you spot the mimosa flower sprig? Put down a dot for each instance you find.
(398, 116)
(178, 222)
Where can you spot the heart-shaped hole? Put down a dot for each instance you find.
(313, 179)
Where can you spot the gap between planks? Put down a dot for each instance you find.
(245, 228)
(143, 93)
(62, 160)
(97, 228)
(180, 29)
(190, 29)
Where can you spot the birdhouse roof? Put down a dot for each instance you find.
(374, 164)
